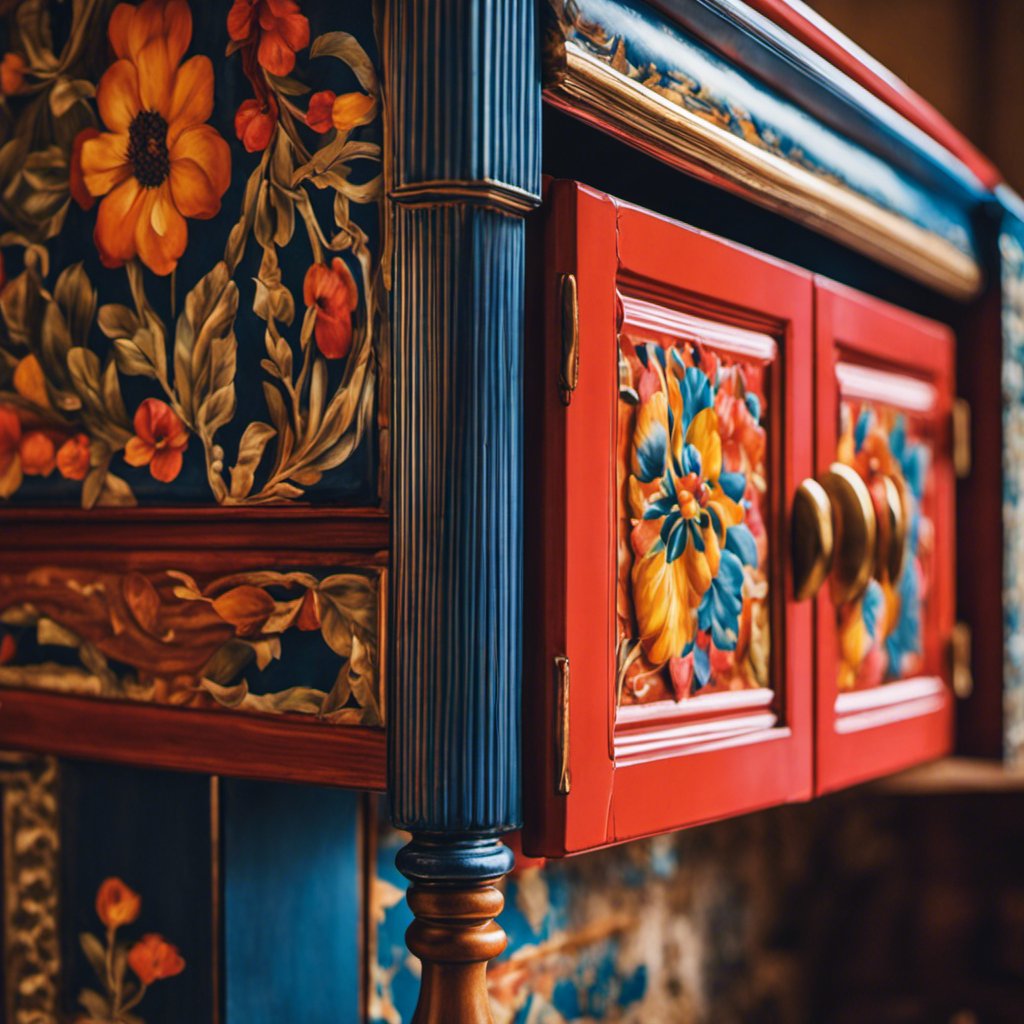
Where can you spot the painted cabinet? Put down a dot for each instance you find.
(718, 438)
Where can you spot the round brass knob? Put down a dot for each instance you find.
(833, 531)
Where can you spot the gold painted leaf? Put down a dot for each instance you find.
(345, 47)
(143, 601)
(250, 452)
(29, 381)
(65, 94)
(115, 493)
(246, 607)
(21, 305)
(77, 299)
(117, 321)
(94, 953)
(130, 359)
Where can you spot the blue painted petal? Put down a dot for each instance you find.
(704, 612)
(715, 521)
(872, 606)
(660, 353)
(676, 543)
(698, 537)
(754, 405)
(734, 485)
(905, 639)
(689, 647)
(641, 354)
(898, 437)
(670, 521)
(651, 453)
(692, 462)
(701, 667)
(659, 507)
(860, 431)
(740, 541)
(696, 391)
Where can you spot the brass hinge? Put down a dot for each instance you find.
(961, 422)
(569, 369)
(562, 695)
(960, 660)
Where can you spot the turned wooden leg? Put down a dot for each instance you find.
(455, 932)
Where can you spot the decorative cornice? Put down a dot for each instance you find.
(495, 195)
(590, 87)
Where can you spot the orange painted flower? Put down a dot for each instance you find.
(157, 163)
(8, 649)
(333, 291)
(255, 123)
(12, 73)
(73, 458)
(318, 117)
(38, 456)
(160, 438)
(81, 195)
(116, 904)
(351, 109)
(277, 27)
(153, 958)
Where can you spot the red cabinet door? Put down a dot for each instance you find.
(670, 387)
(884, 392)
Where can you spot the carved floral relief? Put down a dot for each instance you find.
(692, 590)
(227, 642)
(190, 285)
(881, 633)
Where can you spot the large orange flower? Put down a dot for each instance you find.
(157, 163)
(159, 441)
(153, 958)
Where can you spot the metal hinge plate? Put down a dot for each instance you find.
(961, 429)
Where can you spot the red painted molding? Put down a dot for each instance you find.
(814, 31)
(185, 739)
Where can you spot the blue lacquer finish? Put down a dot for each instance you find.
(670, 58)
(291, 873)
(464, 86)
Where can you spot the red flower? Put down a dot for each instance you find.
(255, 123)
(8, 649)
(38, 457)
(153, 958)
(160, 438)
(116, 904)
(333, 291)
(10, 452)
(12, 73)
(279, 27)
(81, 195)
(318, 117)
(73, 458)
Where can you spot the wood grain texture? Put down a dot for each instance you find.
(219, 743)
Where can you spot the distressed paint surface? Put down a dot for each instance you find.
(881, 634)
(1011, 246)
(692, 591)
(219, 338)
(638, 42)
(231, 642)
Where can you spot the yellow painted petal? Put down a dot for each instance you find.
(156, 77)
(194, 194)
(160, 232)
(698, 572)
(665, 615)
(137, 452)
(729, 512)
(29, 381)
(117, 28)
(703, 435)
(169, 21)
(116, 220)
(712, 551)
(202, 145)
(118, 97)
(652, 417)
(191, 97)
(105, 163)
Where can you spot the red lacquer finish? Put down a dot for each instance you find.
(874, 356)
(659, 766)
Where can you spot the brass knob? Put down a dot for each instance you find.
(833, 531)
(889, 498)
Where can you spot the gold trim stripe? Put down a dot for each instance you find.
(495, 194)
(586, 85)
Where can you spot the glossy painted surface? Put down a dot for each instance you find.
(902, 365)
(224, 346)
(647, 47)
(755, 745)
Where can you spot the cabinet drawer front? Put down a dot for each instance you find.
(884, 393)
(668, 670)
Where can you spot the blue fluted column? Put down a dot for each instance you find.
(464, 167)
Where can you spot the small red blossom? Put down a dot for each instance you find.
(255, 123)
(12, 73)
(8, 649)
(38, 457)
(160, 438)
(153, 958)
(116, 904)
(318, 117)
(81, 195)
(279, 27)
(332, 289)
(73, 458)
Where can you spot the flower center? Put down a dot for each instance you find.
(147, 148)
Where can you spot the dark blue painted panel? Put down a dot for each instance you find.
(151, 830)
(292, 906)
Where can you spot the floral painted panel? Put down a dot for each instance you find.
(192, 302)
(173, 638)
(692, 594)
(881, 634)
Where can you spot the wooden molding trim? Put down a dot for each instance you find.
(185, 739)
(587, 87)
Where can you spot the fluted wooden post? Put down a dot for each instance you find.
(464, 124)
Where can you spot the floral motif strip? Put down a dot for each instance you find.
(124, 133)
(692, 547)
(228, 642)
(881, 633)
